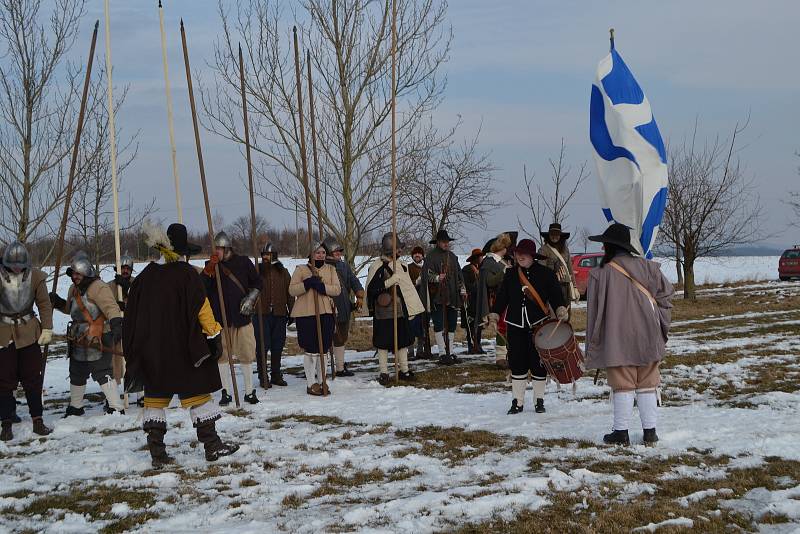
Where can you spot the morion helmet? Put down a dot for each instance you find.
(387, 244)
(222, 240)
(81, 265)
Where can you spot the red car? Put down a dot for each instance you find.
(789, 264)
(581, 265)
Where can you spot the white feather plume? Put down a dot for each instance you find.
(155, 236)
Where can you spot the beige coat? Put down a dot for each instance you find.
(407, 289)
(622, 327)
(99, 293)
(28, 333)
(304, 303)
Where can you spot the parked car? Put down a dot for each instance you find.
(581, 265)
(789, 264)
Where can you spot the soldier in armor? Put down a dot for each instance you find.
(22, 334)
(344, 306)
(380, 281)
(274, 307)
(119, 288)
(241, 286)
(95, 329)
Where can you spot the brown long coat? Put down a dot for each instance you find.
(622, 327)
(28, 333)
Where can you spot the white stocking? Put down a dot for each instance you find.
(338, 354)
(383, 361)
(225, 377)
(402, 359)
(440, 341)
(648, 409)
(76, 395)
(518, 385)
(109, 389)
(247, 375)
(310, 367)
(538, 389)
(623, 406)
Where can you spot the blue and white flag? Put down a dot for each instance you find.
(629, 152)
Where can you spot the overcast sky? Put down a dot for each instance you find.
(521, 68)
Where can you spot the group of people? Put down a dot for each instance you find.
(176, 329)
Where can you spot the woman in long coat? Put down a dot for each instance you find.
(315, 280)
(627, 321)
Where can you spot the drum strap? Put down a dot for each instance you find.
(532, 294)
(636, 283)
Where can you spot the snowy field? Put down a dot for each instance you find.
(443, 456)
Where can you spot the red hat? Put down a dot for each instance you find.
(527, 246)
(476, 254)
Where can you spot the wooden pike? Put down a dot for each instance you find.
(256, 256)
(71, 179)
(170, 121)
(394, 184)
(304, 163)
(220, 296)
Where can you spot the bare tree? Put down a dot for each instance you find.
(91, 226)
(546, 206)
(239, 232)
(446, 186)
(39, 96)
(712, 204)
(583, 236)
(794, 201)
(349, 44)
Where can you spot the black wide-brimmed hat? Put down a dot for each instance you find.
(616, 234)
(178, 238)
(441, 235)
(556, 227)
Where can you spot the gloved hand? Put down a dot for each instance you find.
(211, 266)
(315, 283)
(116, 329)
(248, 304)
(562, 314)
(123, 282)
(56, 300)
(45, 337)
(490, 326)
(392, 280)
(215, 346)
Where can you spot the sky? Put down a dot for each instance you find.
(519, 69)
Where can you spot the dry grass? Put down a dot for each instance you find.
(469, 377)
(454, 445)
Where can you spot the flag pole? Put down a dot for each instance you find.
(394, 185)
(170, 121)
(225, 337)
(611, 37)
(304, 163)
(71, 179)
(263, 374)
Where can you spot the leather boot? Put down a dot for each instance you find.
(155, 431)
(215, 448)
(6, 434)
(40, 428)
(617, 437)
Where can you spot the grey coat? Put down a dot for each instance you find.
(622, 327)
(349, 282)
(490, 277)
(433, 266)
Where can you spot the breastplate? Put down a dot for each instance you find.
(76, 313)
(16, 292)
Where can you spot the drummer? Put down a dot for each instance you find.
(527, 294)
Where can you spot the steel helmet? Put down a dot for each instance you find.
(16, 256)
(387, 244)
(126, 260)
(222, 240)
(269, 249)
(81, 265)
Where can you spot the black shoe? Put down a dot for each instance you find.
(15, 419)
(225, 399)
(650, 436)
(515, 408)
(277, 380)
(454, 359)
(109, 410)
(40, 428)
(72, 410)
(446, 359)
(215, 448)
(408, 376)
(412, 356)
(383, 379)
(251, 398)
(6, 434)
(140, 402)
(617, 437)
(345, 372)
(540, 406)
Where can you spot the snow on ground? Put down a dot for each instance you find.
(409, 459)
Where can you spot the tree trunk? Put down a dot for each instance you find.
(678, 265)
(688, 279)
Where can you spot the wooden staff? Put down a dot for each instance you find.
(221, 298)
(304, 163)
(316, 173)
(170, 122)
(394, 184)
(262, 376)
(71, 180)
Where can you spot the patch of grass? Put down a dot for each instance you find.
(470, 377)
(336, 482)
(453, 444)
(402, 472)
(320, 420)
(292, 500)
(248, 483)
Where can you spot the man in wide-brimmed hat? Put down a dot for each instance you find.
(524, 296)
(171, 342)
(557, 258)
(470, 273)
(445, 292)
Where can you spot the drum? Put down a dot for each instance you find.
(559, 351)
